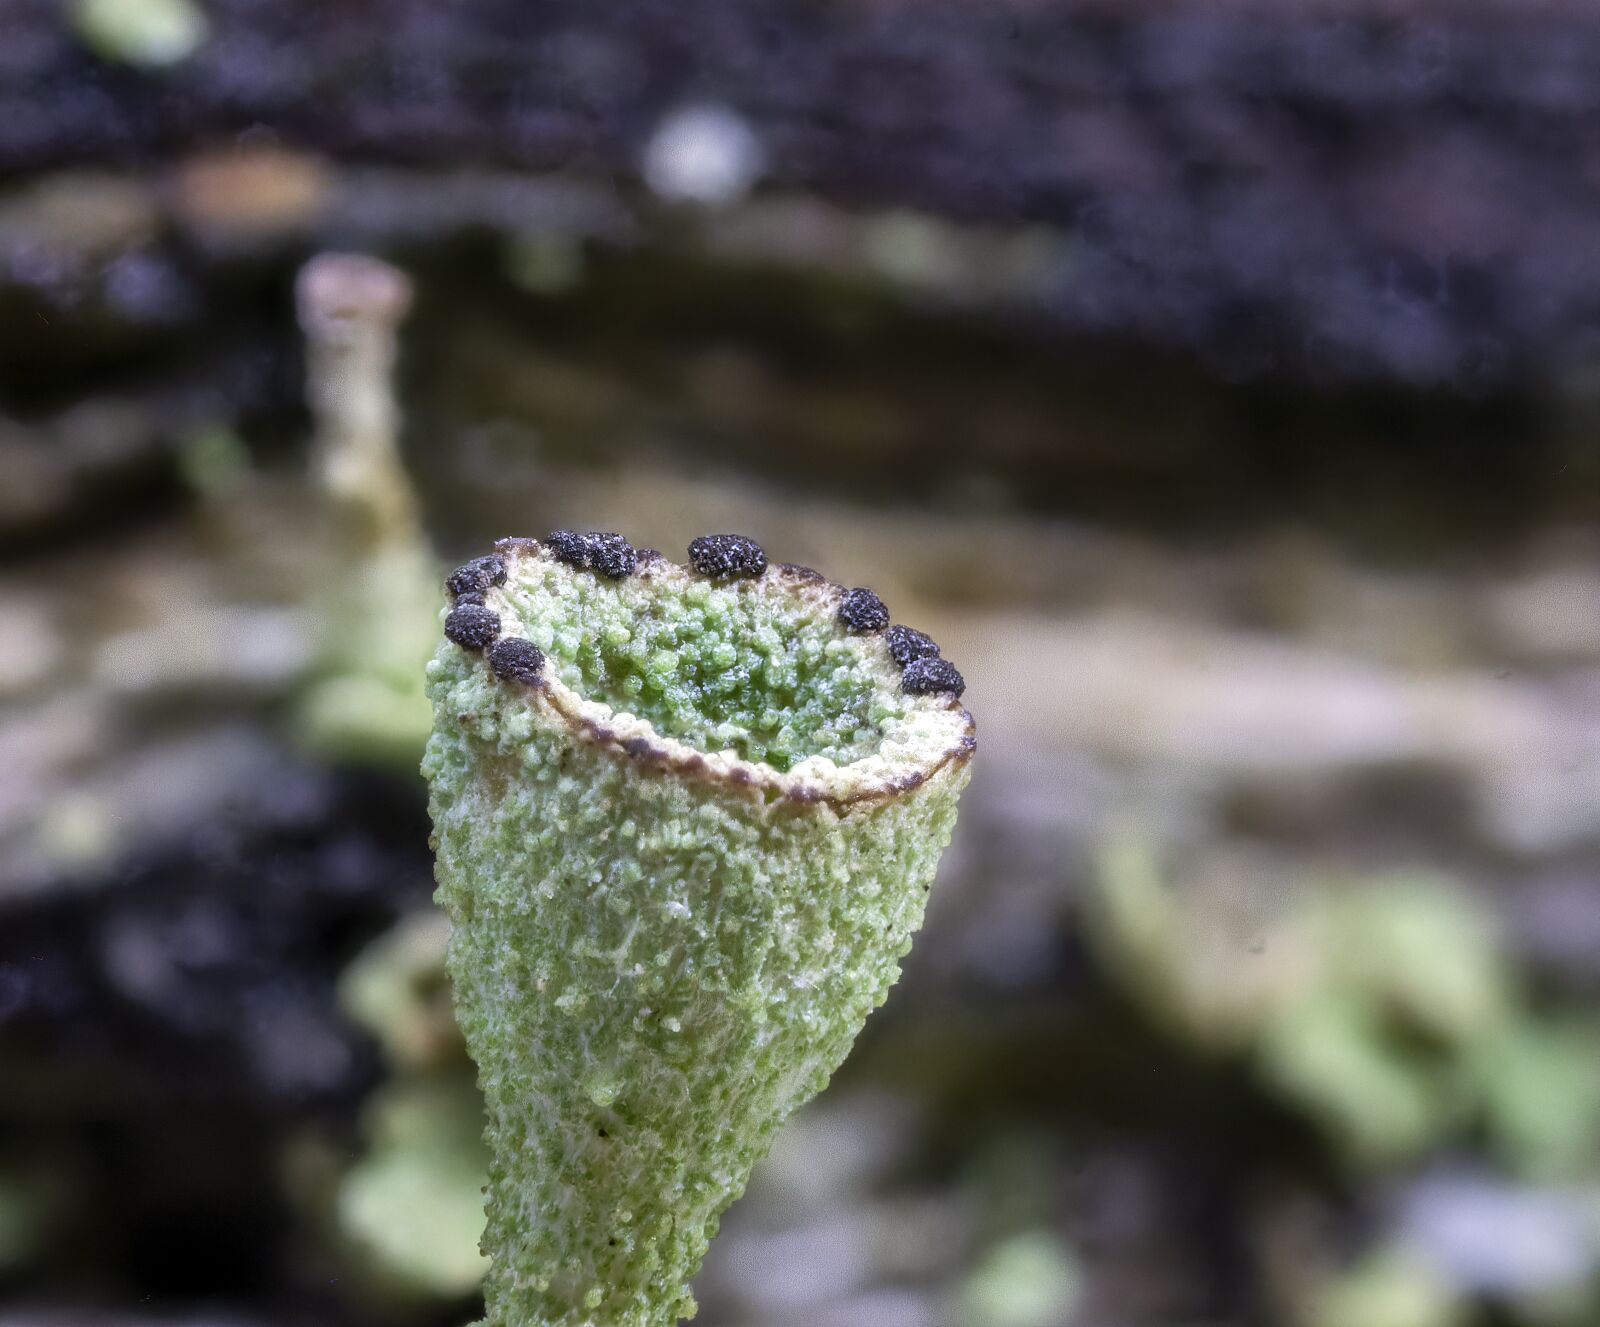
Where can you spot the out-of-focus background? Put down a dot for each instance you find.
(1220, 384)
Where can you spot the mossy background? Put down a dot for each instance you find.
(1217, 389)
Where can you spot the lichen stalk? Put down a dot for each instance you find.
(350, 307)
(376, 615)
(662, 941)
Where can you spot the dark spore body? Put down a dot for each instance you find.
(599, 550)
(863, 611)
(726, 556)
(931, 675)
(477, 576)
(907, 645)
(610, 554)
(568, 546)
(472, 626)
(469, 597)
(515, 659)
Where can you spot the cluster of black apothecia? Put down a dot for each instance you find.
(473, 626)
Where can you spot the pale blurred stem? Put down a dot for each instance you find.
(350, 308)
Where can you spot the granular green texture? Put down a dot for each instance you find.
(661, 944)
(719, 667)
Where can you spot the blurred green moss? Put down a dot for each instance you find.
(414, 1203)
(1539, 1085)
(412, 1206)
(1333, 1058)
(1386, 1008)
(1027, 1280)
(213, 460)
(1388, 1288)
(141, 32)
(398, 990)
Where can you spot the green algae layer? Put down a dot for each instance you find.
(682, 859)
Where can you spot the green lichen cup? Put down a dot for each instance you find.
(685, 820)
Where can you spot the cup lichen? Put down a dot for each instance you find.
(685, 821)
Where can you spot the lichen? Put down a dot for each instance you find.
(684, 845)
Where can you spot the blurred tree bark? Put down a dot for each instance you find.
(1351, 189)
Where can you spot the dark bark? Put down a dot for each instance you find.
(1329, 190)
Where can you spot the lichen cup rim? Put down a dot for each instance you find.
(944, 732)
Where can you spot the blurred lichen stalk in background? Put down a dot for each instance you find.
(410, 1207)
(376, 616)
